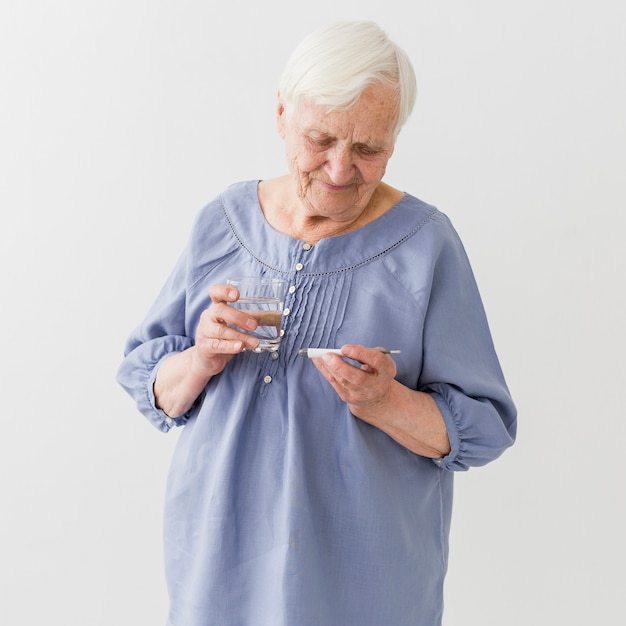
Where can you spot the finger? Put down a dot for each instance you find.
(213, 345)
(362, 354)
(213, 330)
(223, 293)
(224, 314)
(342, 372)
(328, 374)
(373, 359)
(231, 343)
(222, 322)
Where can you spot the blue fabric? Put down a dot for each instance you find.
(282, 508)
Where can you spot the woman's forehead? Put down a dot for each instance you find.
(372, 118)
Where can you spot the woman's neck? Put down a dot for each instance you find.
(285, 212)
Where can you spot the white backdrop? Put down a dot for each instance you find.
(120, 119)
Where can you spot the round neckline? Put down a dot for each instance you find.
(274, 248)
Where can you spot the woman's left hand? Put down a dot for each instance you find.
(373, 395)
(366, 389)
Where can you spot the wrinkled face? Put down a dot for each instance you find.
(338, 158)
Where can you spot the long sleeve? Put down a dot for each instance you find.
(161, 334)
(460, 367)
(171, 321)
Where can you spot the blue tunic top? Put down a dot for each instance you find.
(282, 508)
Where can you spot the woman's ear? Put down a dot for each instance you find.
(280, 116)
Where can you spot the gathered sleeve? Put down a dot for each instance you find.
(460, 368)
(170, 324)
(161, 334)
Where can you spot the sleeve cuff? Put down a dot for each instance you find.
(479, 429)
(160, 418)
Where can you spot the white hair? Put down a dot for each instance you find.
(333, 66)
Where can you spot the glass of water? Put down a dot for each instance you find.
(263, 298)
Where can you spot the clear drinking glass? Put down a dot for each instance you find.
(263, 298)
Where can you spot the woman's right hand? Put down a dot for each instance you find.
(216, 339)
(183, 376)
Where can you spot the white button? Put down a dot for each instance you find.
(267, 380)
(168, 421)
(306, 246)
(286, 311)
(274, 356)
(299, 267)
(292, 289)
(282, 332)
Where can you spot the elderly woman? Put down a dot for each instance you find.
(318, 492)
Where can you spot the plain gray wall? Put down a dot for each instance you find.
(119, 120)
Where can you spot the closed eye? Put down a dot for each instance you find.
(367, 150)
(322, 143)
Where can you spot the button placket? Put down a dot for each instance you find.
(288, 308)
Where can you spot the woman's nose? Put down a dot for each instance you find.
(340, 166)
